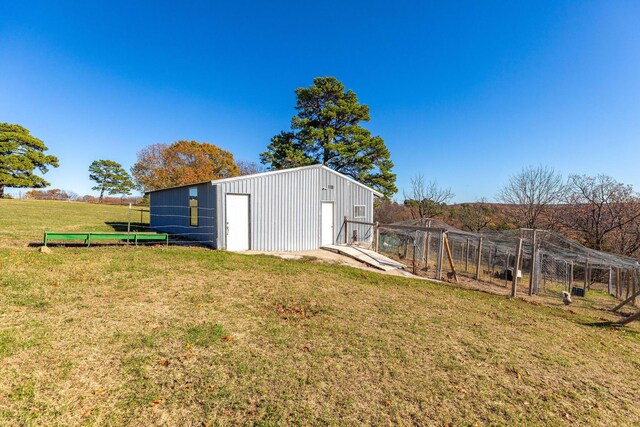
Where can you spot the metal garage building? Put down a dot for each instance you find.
(285, 210)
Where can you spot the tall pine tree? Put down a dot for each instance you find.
(111, 177)
(20, 154)
(327, 130)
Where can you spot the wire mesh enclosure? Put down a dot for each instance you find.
(543, 262)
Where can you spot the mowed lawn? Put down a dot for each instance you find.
(24, 222)
(114, 335)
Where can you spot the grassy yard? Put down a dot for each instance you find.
(24, 221)
(116, 335)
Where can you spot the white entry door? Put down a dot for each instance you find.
(327, 224)
(237, 222)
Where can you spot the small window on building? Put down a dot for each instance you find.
(193, 206)
(359, 211)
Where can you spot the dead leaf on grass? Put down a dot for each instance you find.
(55, 284)
(156, 402)
(165, 363)
(86, 413)
(227, 338)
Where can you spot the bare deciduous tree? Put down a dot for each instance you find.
(389, 211)
(249, 168)
(474, 217)
(531, 192)
(625, 239)
(426, 199)
(600, 206)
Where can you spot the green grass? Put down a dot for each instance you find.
(24, 221)
(116, 335)
(204, 335)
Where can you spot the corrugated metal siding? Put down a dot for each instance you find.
(170, 213)
(285, 207)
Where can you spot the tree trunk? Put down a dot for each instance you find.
(1, 191)
(101, 194)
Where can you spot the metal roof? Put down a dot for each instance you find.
(256, 175)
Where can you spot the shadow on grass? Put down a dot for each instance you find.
(174, 239)
(602, 324)
(123, 226)
(635, 334)
(93, 244)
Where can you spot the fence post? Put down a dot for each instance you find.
(414, 256)
(344, 228)
(544, 276)
(128, 223)
(626, 284)
(490, 261)
(610, 281)
(533, 263)
(586, 273)
(376, 236)
(478, 264)
(516, 267)
(447, 246)
(636, 281)
(506, 267)
(570, 276)
(425, 250)
(466, 258)
(633, 292)
(440, 256)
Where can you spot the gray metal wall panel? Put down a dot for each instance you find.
(346, 196)
(285, 208)
(170, 213)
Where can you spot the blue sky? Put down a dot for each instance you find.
(467, 93)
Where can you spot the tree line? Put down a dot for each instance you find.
(598, 211)
(327, 129)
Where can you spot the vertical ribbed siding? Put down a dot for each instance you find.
(285, 208)
(170, 213)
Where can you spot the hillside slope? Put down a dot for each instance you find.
(184, 336)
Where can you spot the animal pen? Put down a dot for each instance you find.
(523, 260)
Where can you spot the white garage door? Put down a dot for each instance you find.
(237, 222)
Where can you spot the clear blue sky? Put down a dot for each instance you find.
(464, 92)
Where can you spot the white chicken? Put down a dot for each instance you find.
(566, 298)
